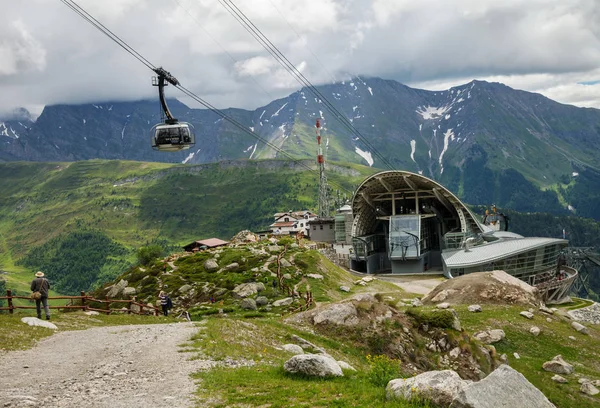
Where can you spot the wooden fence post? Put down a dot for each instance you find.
(83, 300)
(132, 299)
(107, 306)
(10, 305)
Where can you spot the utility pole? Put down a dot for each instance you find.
(323, 187)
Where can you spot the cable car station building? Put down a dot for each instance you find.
(405, 223)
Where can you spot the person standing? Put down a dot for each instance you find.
(41, 284)
(164, 302)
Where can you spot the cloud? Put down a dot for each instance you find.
(50, 55)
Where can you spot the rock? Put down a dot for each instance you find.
(439, 387)
(345, 366)
(535, 331)
(589, 389)
(456, 322)
(260, 287)
(557, 378)
(579, 327)
(504, 387)
(454, 353)
(517, 356)
(364, 297)
(232, 267)
(245, 290)
(558, 366)
(274, 248)
(117, 288)
(490, 336)
(572, 338)
(314, 365)
(248, 304)
(368, 279)
(583, 380)
(443, 295)
(185, 288)
(91, 313)
(444, 305)
(211, 265)
(589, 314)
(549, 320)
(284, 263)
(474, 308)
(546, 310)
(416, 302)
(34, 321)
(504, 358)
(262, 301)
(293, 348)
(220, 292)
(344, 288)
(343, 314)
(129, 291)
(315, 276)
(527, 314)
(283, 302)
(287, 276)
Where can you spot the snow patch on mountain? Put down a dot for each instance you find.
(370, 90)
(190, 156)
(365, 155)
(413, 148)
(449, 135)
(279, 110)
(431, 112)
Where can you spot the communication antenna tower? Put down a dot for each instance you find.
(323, 187)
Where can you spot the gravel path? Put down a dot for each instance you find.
(115, 366)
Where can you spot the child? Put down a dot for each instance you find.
(164, 302)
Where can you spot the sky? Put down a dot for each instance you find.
(50, 55)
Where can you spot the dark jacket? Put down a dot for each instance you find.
(40, 285)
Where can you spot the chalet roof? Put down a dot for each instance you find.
(283, 224)
(322, 220)
(209, 243)
(295, 214)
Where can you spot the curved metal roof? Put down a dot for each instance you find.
(365, 215)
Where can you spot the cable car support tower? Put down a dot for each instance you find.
(323, 186)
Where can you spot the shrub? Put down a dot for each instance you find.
(147, 254)
(383, 369)
(435, 318)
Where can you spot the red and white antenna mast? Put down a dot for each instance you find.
(323, 187)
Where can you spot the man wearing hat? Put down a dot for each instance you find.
(41, 284)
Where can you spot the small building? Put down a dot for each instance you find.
(322, 229)
(291, 222)
(343, 225)
(205, 244)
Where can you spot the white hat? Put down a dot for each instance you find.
(39, 274)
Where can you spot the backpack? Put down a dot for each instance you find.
(169, 303)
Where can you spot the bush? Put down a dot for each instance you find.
(383, 369)
(147, 254)
(435, 318)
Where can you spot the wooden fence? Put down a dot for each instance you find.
(85, 302)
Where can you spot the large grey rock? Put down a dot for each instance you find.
(490, 336)
(344, 288)
(504, 387)
(315, 276)
(129, 291)
(315, 365)
(117, 288)
(185, 288)
(344, 314)
(474, 308)
(211, 265)
(232, 267)
(293, 348)
(444, 305)
(245, 290)
(589, 389)
(345, 366)
(579, 327)
(535, 331)
(558, 366)
(34, 321)
(439, 387)
(527, 314)
(284, 263)
(262, 300)
(248, 304)
(283, 302)
(557, 378)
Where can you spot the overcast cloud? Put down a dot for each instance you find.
(50, 55)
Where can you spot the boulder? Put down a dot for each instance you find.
(444, 305)
(244, 290)
(527, 314)
(117, 288)
(283, 302)
(504, 387)
(293, 348)
(546, 310)
(343, 314)
(344, 288)
(232, 267)
(439, 387)
(262, 301)
(557, 378)
(345, 366)
(315, 276)
(558, 366)
(579, 327)
(185, 288)
(474, 308)
(211, 265)
(535, 331)
(129, 291)
(284, 263)
(314, 365)
(34, 321)
(490, 336)
(248, 304)
(589, 389)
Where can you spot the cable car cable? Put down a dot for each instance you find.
(280, 57)
(89, 18)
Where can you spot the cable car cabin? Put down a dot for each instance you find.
(173, 137)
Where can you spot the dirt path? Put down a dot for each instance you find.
(421, 285)
(115, 366)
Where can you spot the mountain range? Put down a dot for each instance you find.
(487, 142)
